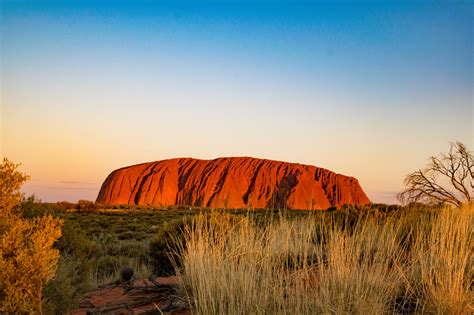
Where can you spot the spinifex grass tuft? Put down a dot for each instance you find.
(321, 264)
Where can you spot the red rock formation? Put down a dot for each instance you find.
(230, 183)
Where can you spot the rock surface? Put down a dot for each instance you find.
(141, 296)
(230, 183)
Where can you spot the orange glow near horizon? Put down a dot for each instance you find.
(85, 93)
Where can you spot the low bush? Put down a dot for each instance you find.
(165, 244)
(86, 205)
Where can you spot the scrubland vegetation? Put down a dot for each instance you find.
(97, 244)
(402, 262)
(374, 259)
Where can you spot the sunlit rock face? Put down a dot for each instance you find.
(237, 182)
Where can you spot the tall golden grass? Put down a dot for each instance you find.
(444, 264)
(319, 264)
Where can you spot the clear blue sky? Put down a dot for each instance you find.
(367, 89)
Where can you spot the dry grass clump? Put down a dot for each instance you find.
(322, 264)
(443, 270)
(362, 272)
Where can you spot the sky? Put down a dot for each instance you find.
(365, 89)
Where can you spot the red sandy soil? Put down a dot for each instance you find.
(141, 296)
(230, 183)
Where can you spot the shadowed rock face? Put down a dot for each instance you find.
(230, 183)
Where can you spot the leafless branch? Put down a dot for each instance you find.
(455, 168)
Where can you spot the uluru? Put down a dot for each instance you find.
(236, 182)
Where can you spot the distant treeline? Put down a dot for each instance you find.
(33, 204)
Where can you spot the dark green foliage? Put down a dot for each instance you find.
(71, 280)
(32, 207)
(96, 245)
(75, 242)
(86, 205)
(166, 243)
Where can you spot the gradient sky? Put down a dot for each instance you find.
(367, 89)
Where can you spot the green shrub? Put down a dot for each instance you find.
(75, 242)
(32, 207)
(166, 243)
(65, 290)
(86, 205)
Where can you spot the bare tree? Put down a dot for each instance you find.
(447, 179)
